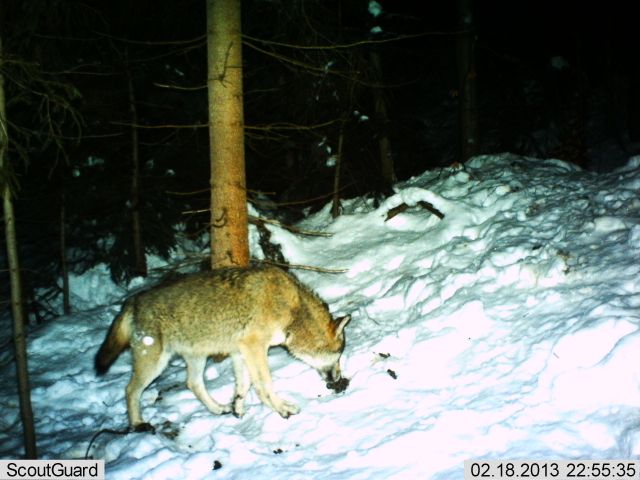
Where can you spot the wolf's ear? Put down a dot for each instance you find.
(341, 323)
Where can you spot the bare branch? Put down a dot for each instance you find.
(306, 267)
(347, 45)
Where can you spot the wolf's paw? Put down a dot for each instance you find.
(218, 409)
(237, 408)
(143, 427)
(238, 412)
(286, 409)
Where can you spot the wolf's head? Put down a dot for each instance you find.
(318, 340)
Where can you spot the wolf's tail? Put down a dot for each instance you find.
(117, 339)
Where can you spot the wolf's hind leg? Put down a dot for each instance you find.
(254, 351)
(195, 382)
(147, 366)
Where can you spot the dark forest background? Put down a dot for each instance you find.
(559, 81)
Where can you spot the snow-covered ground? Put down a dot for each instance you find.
(508, 329)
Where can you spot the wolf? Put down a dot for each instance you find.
(235, 312)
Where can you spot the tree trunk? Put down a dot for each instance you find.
(140, 267)
(229, 222)
(335, 206)
(382, 119)
(633, 112)
(467, 81)
(64, 270)
(17, 309)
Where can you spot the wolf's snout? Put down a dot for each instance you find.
(331, 374)
(335, 380)
(339, 385)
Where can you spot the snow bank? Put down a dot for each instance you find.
(509, 328)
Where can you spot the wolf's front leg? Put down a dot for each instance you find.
(243, 384)
(254, 354)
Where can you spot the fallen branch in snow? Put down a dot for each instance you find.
(261, 220)
(124, 431)
(272, 251)
(306, 267)
(429, 207)
(258, 220)
(403, 206)
(168, 429)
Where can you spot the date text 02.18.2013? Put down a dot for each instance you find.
(552, 469)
